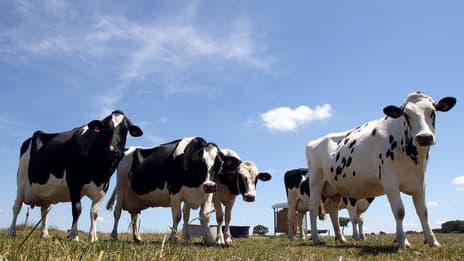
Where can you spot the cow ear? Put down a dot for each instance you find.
(264, 176)
(135, 131)
(445, 104)
(95, 125)
(231, 163)
(393, 111)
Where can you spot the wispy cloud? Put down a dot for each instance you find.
(288, 119)
(459, 183)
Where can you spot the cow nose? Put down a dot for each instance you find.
(209, 187)
(249, 197)
(425, 140)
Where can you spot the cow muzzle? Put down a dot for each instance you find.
(209, 187)
(425, 140)
(249, 197)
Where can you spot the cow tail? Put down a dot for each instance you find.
(322, 211)
(110, 203)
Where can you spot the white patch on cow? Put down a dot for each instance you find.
(55, 190)
(249, 173)
(181, 146)
(93, 191)
(230, 153)
(209, 156)
(156, 198)
(117, 119)
(193, 197)
(84, 129)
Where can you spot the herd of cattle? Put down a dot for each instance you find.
(345, 170)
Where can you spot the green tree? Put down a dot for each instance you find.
(260, 230)
(454, 226)
(343, 223)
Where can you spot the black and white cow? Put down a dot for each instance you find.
(356, 208)
(297, 188)
(234, 181)
(62, 167)
(385, 156)
(167, 175)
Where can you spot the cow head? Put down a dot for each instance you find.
(207, 161)
(111, 133)
(419, 113)
(246, 172)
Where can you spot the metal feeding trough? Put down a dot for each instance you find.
(235, 231)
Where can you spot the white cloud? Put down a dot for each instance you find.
(459, 182)
(432, 204)
(287, 119)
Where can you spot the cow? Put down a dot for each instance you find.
(232, 181)
(165, 176)
(297, 188)
(63, 167)
(384, 156)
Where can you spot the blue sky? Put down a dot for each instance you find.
(260, 77)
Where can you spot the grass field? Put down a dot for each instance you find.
(158, 247)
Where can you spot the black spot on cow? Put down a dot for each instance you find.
(332, 169)
(402, 142)
(352, 150)
(393, 145)
(344, 162)
(390, 154)
(346, 141)
(344, 175)
(354, 173)
(380, 172)
(338, 171)
(352, 201)
(292, 179)
(352, 144)
(345, 200)
(380, 155)
(337, 157)
(348, 162)
(411, 150)
(373, 132)
(390, 139)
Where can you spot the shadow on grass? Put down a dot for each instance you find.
(364, 249)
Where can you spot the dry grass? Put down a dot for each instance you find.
(157, 247)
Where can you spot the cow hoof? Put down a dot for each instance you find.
(12, 233)
(73, 238)
(138, 240)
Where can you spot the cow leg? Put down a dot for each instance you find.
(315, 186)
(300, 216)
(205, 210)
(76, 212)
(117, 216)
(398, 212)
(44, 228)
(291, 211)
(332, 205)
(186, 217)
(228, 210)
(360, 226)
(16, 209)
(421, 210)
(135, 221)
(219, 220)
(352, 212)
(176, 214)
(93, 218)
